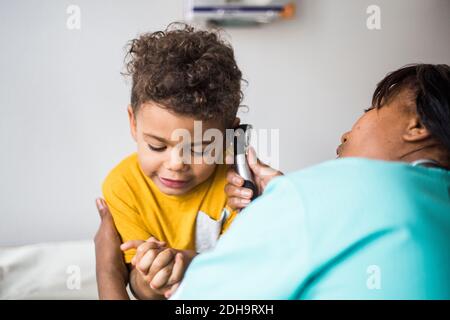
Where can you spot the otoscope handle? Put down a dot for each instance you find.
(250, 185)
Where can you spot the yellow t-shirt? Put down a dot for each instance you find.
(140, 210)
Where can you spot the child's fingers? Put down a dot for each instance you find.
(146, 245)
(132, 244)
(234, 179)
(178, 269)
(237, 203)
(233, 191)
(142, 250)
(161, 260)
(162, 277)
(145, 262)
(153, 239)
(172, 290)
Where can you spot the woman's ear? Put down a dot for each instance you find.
(132, 120)
(416, 131)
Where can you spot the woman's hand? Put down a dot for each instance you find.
(239, 197)
(112, 273)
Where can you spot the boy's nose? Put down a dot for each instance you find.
(175, 162)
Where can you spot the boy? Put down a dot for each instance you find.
(179, 76)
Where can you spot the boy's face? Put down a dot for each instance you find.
(158, 153)
(380, 133)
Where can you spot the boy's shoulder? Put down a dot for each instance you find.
(123, 174)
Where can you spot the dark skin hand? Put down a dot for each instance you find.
(111, 270)
(238, 196)
(154, 273)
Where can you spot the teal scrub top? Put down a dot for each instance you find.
(345, 229)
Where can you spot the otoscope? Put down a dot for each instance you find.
(242, 135)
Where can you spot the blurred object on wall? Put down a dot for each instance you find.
(237, 13)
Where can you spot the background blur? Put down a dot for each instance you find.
(63, 121)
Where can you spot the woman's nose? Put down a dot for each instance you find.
(344, 137)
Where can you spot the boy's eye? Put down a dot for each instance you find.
(157, 149)
(197, 153)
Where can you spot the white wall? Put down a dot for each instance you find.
(63, 121)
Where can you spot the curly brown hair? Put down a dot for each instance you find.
(191, 72)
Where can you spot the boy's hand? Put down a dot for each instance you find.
(160, 267)
(168, 275)
(239, 197)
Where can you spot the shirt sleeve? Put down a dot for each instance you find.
(127, 219)
(253, 259)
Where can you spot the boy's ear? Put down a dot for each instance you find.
(236, 123)
(416, 131)
(132, 119)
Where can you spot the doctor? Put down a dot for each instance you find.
(373, 224)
